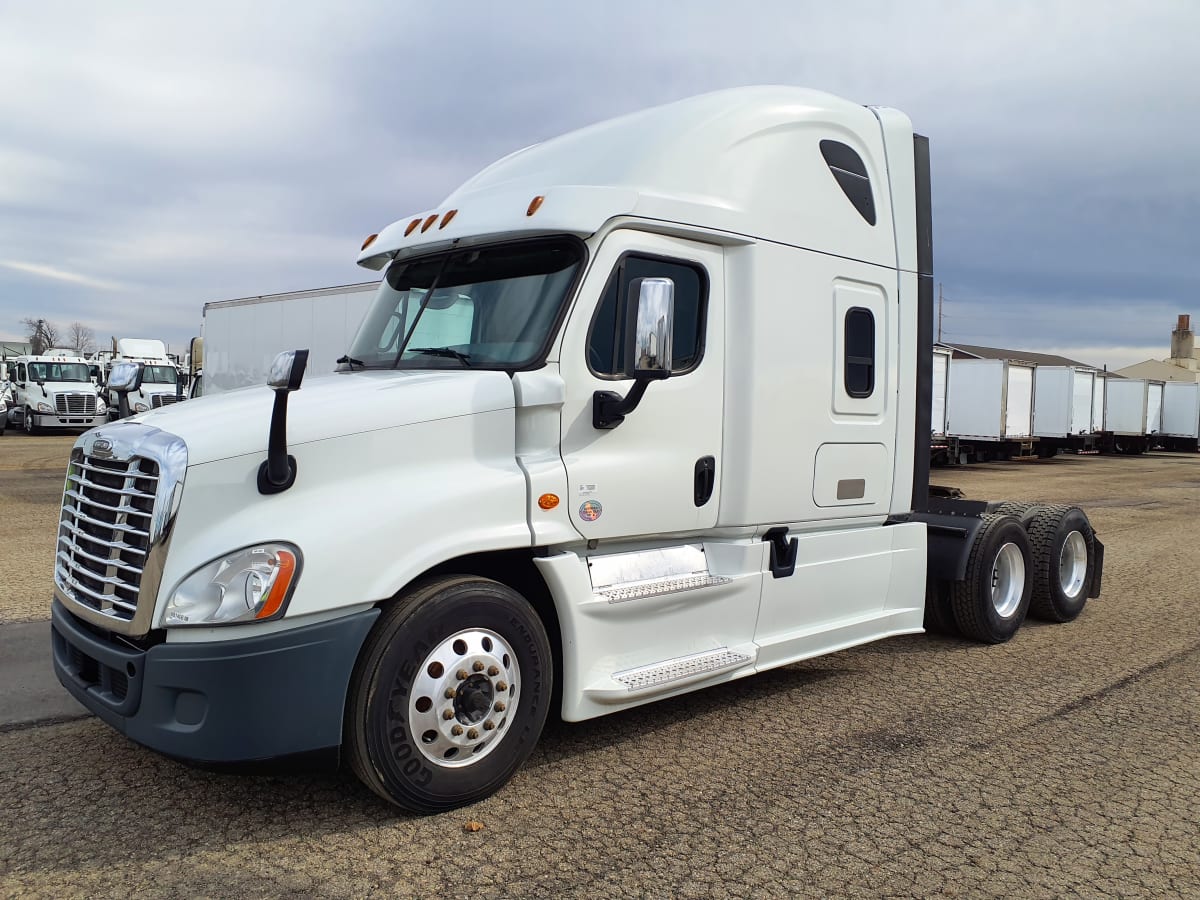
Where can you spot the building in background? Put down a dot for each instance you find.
(1183, 364)
(972, 351)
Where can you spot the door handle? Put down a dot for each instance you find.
(706, 479)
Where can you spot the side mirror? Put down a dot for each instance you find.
(649, 341)
(649, 334)
(278, 471)
(125, 377)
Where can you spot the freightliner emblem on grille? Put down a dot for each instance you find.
(102, 447)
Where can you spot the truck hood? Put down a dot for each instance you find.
(237, 423)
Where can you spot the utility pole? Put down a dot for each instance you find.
(939, 337)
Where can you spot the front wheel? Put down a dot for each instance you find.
(449, 695)
(27, 422)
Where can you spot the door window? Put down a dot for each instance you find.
(606, 342)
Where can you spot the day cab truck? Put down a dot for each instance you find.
(53, 392)
(160, 378)
(636, 411)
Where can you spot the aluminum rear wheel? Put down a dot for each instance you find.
(1008, 580)
(1073, 565)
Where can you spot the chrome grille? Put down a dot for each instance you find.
(104, 532)
(75, 404)
(162, 400)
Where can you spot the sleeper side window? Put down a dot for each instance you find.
(606, 342)
(859, 375)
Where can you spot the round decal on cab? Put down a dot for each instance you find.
(590, 510)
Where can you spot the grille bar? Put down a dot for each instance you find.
(122, 546)
(102, 599)
(127, 510)
(79, 551)
(125, 492)
(125, 527)
(116, 473)
(77, 404)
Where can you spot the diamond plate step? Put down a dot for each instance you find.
(619, 594)
(683, 668)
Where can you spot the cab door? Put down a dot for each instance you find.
(658, 471)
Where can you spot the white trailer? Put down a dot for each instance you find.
(1063, 409)
(242, 337)
(990, 408)
(1181, 415)
(941, 389)
(1098, 387)
(1126, 409)
(623, 412)
(1154, 407)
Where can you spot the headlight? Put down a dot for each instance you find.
(45, 408)
(251, 585)
(140, 407)
(101, 406)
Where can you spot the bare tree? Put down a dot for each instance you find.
(43, 334)
(81, 338)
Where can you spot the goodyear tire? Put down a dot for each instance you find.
(990, 603)
(449, 694)
(1021, 509)
(1063, 547)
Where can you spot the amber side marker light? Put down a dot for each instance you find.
(428, 223)
(548, 501)
(535, 204)
(287, 569)
(411, 227)
(369, 241)
(447, 217)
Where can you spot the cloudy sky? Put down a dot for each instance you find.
(156, 156)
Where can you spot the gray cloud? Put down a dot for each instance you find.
(167, 157)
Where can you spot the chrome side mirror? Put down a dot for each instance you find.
(278, 471)
(649, 353)
(125, 377)
(649, 335)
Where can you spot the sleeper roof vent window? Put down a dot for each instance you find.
(847, 167)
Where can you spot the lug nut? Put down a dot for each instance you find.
(478, 667)
(462, 674)
(456, 730)
(489, 725)
(450, 692)
(501, 686)
(473, 733)
(447, 714)
(493, 671)
(500, 707)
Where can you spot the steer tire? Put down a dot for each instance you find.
(1000, 550)
(472, 638)
(27, 422)
(1057, 537)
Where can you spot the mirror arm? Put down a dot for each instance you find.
(278, 471)
(609, 408)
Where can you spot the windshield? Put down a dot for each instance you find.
(47, 371)
(158, 375)
(493, 307)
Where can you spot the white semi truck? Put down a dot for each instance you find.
(160, 377)
(53, 392)
(636, 411)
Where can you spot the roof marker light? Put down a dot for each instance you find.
(369, 241)
(411, 227)
(535, 204)
(447, 217)
(428, 223)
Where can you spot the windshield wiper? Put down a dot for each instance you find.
(448, 353)
(351, 361)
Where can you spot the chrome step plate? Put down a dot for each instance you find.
(662, 586)
(681, 669)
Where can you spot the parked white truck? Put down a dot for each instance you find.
(160, 377)
(53, 392)
(636, 411)
(243, 337)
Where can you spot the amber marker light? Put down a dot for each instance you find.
(535, 204)
(369, 241)
(412, 226)
(428, 223)
(548, 501)
(447, 217)
(279, 590)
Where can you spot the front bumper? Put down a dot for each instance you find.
(47, 421)
(228, 701)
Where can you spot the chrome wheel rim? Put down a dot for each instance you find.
(1008, 580)
(1072, 565)
(464, 695)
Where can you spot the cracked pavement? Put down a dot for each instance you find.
(1064, 763)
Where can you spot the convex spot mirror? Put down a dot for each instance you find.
(125, 377)
(287, 371)
(648, 350)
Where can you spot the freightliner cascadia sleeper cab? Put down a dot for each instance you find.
(636, 411)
